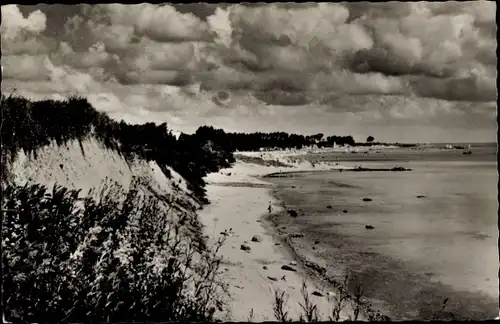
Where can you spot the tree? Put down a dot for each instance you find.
(318, 137)
(370, 139)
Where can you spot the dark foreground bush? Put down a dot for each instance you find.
(67, 259)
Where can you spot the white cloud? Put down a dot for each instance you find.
(22, 35)
(353, 63)
(159, 22)
(13, 22)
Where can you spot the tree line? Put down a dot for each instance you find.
(280, 140)
(29, 125)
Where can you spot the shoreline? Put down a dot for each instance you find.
(239, 199)
(240, 179)
(314, 268)
(305, 246)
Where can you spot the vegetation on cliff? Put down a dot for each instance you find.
(71, 260)
(28, 125)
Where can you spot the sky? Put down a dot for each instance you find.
(398, 71)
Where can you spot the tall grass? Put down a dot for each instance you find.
(309, 309)
(344, 304)
(71, 259)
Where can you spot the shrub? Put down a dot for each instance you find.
(71, 259)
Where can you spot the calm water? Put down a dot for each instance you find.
(422, 250)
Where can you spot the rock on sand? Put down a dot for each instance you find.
(288, 268)
(256, 238)
(245, 247)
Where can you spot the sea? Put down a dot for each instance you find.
(434, 234)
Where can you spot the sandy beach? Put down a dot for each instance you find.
(239, 202)
(240, 197)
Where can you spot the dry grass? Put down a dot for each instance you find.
(342, 303)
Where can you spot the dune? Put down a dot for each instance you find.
(94, 169)
(89, 167)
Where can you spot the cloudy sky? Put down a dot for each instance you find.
(398, 71)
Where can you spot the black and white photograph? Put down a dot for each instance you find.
(249, 162)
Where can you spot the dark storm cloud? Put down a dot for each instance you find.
(376, 10)
(382, 61)
(221, 98)
(461, 89)
(200, 10)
